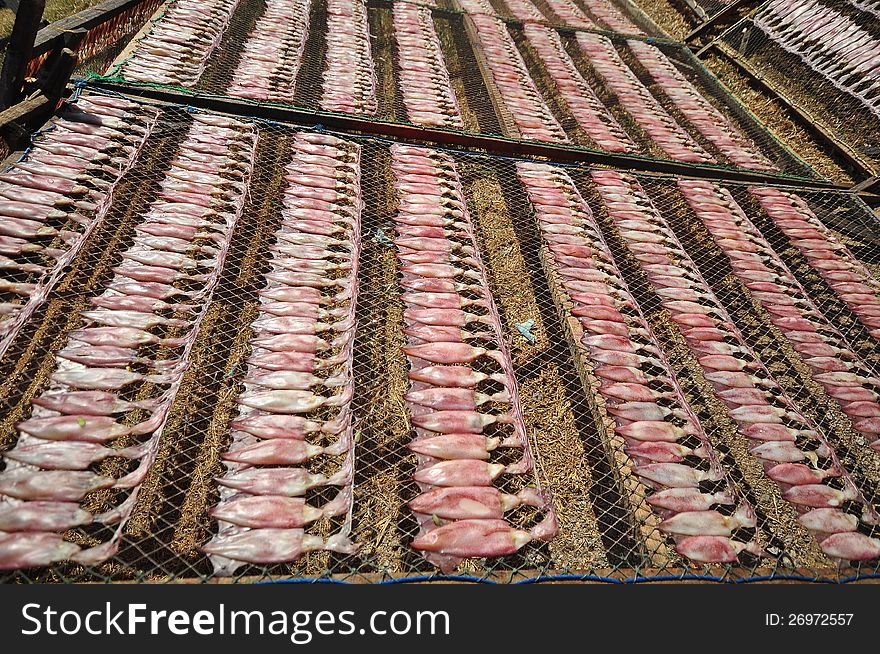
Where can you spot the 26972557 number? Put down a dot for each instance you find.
(808, 619)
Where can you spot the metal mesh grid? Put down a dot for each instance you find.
(483, 108)
(828, 98)
(607, 528)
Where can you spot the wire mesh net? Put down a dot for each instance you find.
(605, 499)
(455, 84)
(823, 76)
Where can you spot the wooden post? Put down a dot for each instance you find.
(59, 66)
(54, 75)
(18, 51)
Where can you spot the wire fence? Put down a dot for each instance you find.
(616, 501)
(456, 84)
(823, 72)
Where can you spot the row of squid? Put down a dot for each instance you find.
(570, 14)
(53, 198)
(565, 13)
(833, 362)
(830, 43)
(423, 77)
(273, 52)
(644, 108)
(349, 79)
(297, 386)
(176, 48)
(609, 17)
(708, 120)
(533, 119)
(795, 453)
(845, 275)
(869, 6)
(638, 389)
(463, 399)
(524, 10)
(529, 114)
(119, 373)
(587, 109)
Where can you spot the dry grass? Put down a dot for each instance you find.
(666, 16)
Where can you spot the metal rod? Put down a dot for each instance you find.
(492, 144)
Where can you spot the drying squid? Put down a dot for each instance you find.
(53, 198)
(831, 259)
(772, 414)
(448, 335)
(638, 101)
(273, 53)
(636, 382)
(78, 420)
(349, 79)
(424, 80)
(828, 41)
(268, 545)
(466, 538)
(176, 48)
(531, 117)
(710, 122)
(823, 347)
(299, 368)
(591, 115)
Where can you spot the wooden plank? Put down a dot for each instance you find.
(23, 109)
(698, 11)
(724, 14)
(871, 185)
(51, 36)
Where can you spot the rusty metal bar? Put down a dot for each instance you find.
(494, 145)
